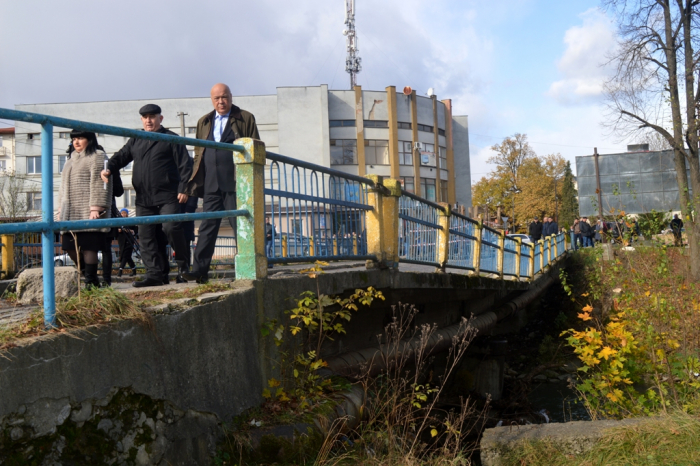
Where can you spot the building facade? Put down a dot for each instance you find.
(7, 149)
(404, 136)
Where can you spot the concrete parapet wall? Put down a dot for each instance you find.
(573, 438)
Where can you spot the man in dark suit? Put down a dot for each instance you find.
(214, 174)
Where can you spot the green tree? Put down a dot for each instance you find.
(569, 199)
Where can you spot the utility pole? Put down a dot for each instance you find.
(556, 204)
(597, 183)
(182, 122)
(353, 63)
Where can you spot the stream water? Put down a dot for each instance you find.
(561, 402)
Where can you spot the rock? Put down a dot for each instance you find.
(105, 425)
(553, 380)
(63, 415)
(30, 284)
(541, 377)
(16, 433)
(44, 414)
(82, 414)
(551, 374)
(571, 367)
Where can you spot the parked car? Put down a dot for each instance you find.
(64, 259)
(524, 238)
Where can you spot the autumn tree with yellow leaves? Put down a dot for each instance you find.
(522, 182)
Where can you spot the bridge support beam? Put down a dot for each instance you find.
(443, 236)
(251, 260)
(478, 233)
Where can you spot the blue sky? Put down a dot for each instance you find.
(513, 66)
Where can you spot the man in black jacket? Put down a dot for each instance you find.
(214, 174)
(535, 230)
(160, 175)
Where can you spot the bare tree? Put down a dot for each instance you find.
(13, 198)
(654, 88)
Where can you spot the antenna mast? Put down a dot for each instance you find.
(353, 63)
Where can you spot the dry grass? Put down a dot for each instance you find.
(151, 298)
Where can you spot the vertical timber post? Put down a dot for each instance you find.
(501, 253)
(390, 221)
(478, 234)
(531, 263)
(518, 251)
(443, 236)
(542, 252)
(251, 260)
(374, 222)
(8, 254)
(47, 239)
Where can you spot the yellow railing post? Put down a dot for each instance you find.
(390, 220)
(354, 245)
(478, 234)
(501, 252)
(542, 253)
(518, 250)
(284, 246)
(556, 247)
(443, 236)
(374, 223)
(311, 247)
(531, 268)
(8, 254)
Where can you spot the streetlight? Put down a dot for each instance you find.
(514, 190)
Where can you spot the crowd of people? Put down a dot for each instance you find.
(167, 181)
(538, 230)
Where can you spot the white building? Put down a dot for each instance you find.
(355, 131)
(7, 149)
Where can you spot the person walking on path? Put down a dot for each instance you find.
(587, 232)
(677, 230)
(553, 227)
(214, 174)
(84, 196)
(160, 174)
(578, 237)
(125, 238)
(535, 230)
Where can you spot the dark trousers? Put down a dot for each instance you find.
(107, 260)
(153, 242)
(209, 229)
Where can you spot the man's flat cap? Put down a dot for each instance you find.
(150, 109)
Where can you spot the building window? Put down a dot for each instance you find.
(33, 165)
(34, 201)
(343, 152)
(404, 125)
(64, 135)
(427, 155)
(441, 132)
(376, 152)
(129, 198)
(339, 123)
(376, 124)
(405, 153)
(3, 165)
(443, 157)
(61, 162)
(443, 190)
(426, 128)
(33, 135)
(407, 184)
(427, 188)
(191, 130)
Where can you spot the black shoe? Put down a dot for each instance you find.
(133, 272)
(119, 274)
(179, 279)
(195, 276)
(147, 282)
(90, 273)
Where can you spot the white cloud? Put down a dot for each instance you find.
(582, 64)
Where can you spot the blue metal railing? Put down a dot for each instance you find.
(462, 242)
(418, 229)
(525, 259)
(510, 252)
(47, 226)
(538, 254)
(316, 213)
(489, 250)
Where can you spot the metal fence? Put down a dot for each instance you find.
(314, 212)
(538, 257)
(510, 254)
(489, 250)
(418, 230)
(525, 259)
(462, 242)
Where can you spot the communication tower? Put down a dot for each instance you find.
(353, 63)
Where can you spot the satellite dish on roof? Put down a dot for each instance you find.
(431, 92)
(407, 90)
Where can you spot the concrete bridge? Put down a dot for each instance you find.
(201, 361)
